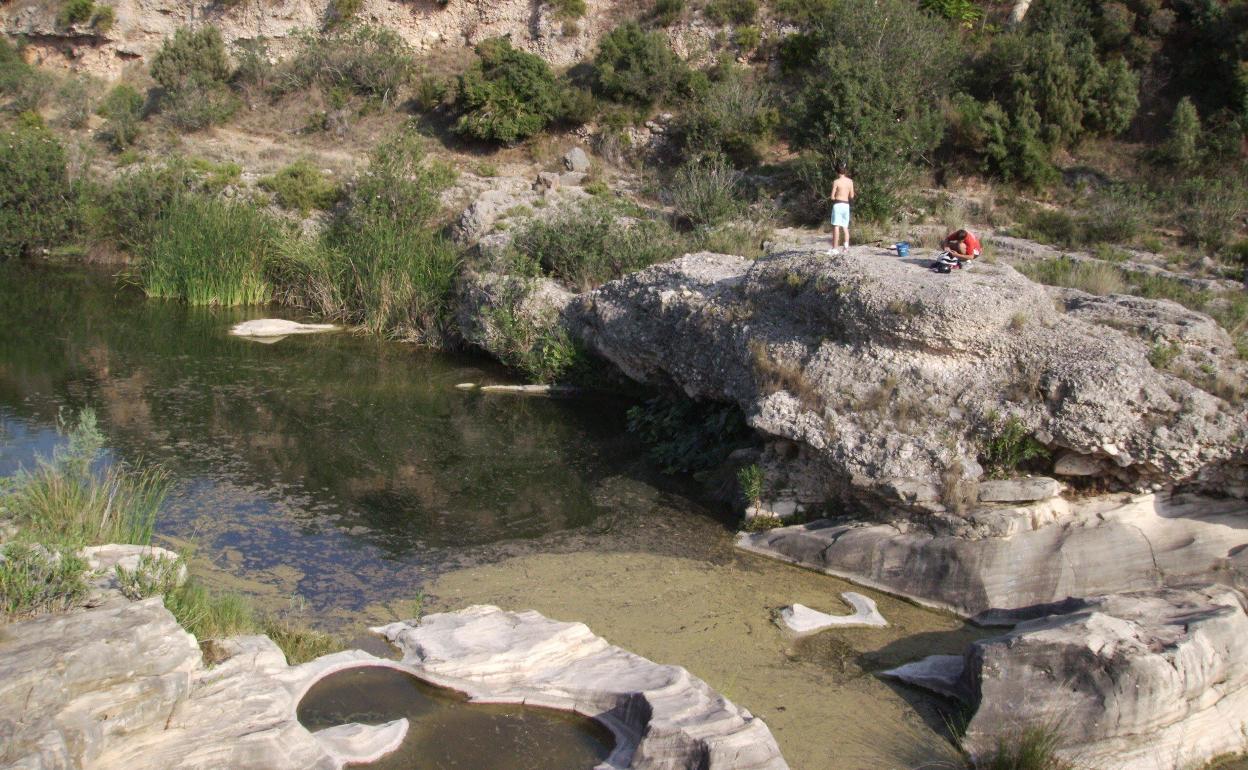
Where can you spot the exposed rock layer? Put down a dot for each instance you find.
(1152, 680)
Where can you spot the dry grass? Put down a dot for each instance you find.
(773, 374)
(958, 494)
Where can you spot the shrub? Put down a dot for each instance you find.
(748, 38)
(75, 12)
(122, 110)
(301, 186)
(136, 201)
(687, 436)
(1161, 355)
(341, 12)
(1182, 147)
(732, 118)
(706, 192)
(568, 10)
(1034, 748)
(536, 347)
(865, 81)
(193, 69)
(207, 616)
(1009, 447)
(209, 252)
(1012, 148)
(731, 11)
(23, 87)
(668, 12)
(1211, 211)
(75, 101)
(965, 12)
(589, 245)
(104, 19)
(36, 582)
(38, 202)
(508, 95)
(66, 500)
(1092, 277)
(637, 66)
(373, 62)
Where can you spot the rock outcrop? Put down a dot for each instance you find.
(884, 373)
(122, 685)
(1004, 558)
(1150, 680)
(662, 716)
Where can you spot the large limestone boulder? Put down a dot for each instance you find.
(884, 370)
(1149, 680)
(662, 716)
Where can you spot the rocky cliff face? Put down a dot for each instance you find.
(141, 26)
(890, 378)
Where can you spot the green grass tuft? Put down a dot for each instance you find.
(36, 582)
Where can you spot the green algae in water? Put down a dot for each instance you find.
(448, 733)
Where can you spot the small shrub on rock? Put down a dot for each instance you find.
(122, 110)
(301, 186)
(1010, 447)
(75, 12)
(568, 10)
(34, 581)
(706, 192)
(668, 12)
(38, 201)
(373, 62)
(731, 11)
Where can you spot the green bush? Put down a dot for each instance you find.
(301, 186)
(75, 12)
(568, 10)
(965, 12)
(747, 38)
(22, 87)
(209, 252)
(866, 74)
(731, 11)
(193, 70)
(122, 110)
(637, 66)
(1010, 447)
(706, 192)
(341, 12)
(36, 582)
(1011, 145)
(1182, 147)
(373, 62)
(75, 100)
(38, 201)
(668, 12)
(586, 246)
(1211, 211)
(132, 206)
(687, 436)
(750, 478)
(508, 94)
(1034, 748)
(734, 116)
(67, 500)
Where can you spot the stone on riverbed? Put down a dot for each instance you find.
(662, 716)
(1018, 490)
(803, 620)
(277, 327)
(1146, 680)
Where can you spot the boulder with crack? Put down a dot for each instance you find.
(662, 716)
(1146, 680)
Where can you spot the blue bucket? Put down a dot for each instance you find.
(903, 249)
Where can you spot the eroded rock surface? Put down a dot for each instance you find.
(882, 370)
(124, 686)
(1009, 558)
(662, 716)
(1149, 680)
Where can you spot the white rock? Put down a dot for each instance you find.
(466, 386)
(938, 673)
(356, 743)
(1019, 490)
(663, 717)
(1076, 464)
(576, 160)
(277, 327)
(803, 620)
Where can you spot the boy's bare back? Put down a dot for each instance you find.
(843, 189)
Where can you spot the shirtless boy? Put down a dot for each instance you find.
(842, 195)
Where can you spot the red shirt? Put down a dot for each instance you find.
(972, 243)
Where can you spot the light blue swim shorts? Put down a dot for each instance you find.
(840, 215)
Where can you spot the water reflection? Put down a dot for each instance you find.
(343, 468)
(446, 732)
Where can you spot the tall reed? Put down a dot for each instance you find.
(210, 252)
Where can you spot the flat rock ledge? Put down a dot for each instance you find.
(124, 686)
(1011, 558)
(662, 716)
(277, 327)
(1144, 680)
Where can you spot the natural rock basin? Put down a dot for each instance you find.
(446, 732)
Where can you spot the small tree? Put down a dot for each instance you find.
(638, 66)
(122, 110)
(193, 70)
(1182, 147)
(38, 202)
